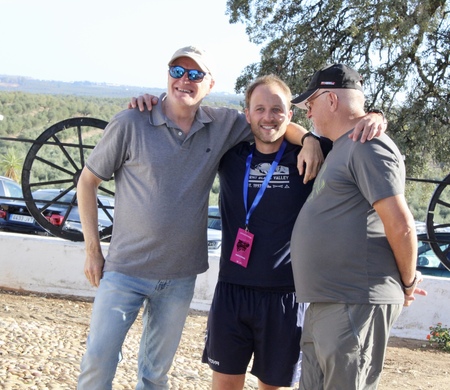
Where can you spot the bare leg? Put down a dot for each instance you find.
(236, 382)
(227, 382)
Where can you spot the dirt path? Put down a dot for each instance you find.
(42, 340)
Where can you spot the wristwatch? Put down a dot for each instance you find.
(412, 286)
(377, 111)
(309, 134)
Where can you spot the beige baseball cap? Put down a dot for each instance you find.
(195, 53)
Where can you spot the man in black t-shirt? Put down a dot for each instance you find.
(254, 310)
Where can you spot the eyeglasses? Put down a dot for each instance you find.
(177, 72)
(308, 102)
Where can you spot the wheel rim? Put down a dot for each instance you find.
(55, 161)
(438, 218)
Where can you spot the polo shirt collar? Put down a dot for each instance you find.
(157, 117)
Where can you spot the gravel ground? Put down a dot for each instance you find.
(43, 338)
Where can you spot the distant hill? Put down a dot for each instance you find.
(88, 88)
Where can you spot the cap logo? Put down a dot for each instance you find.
(327, 83)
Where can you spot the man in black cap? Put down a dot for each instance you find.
(354, 244)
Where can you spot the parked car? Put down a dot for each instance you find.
(421, 227)
(14, 214)
(214, 231)
(427, 261)
(9, 189)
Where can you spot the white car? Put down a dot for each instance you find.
(214, 231)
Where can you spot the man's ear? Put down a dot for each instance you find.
(333, 101)
(290, 113)
(247, 115)
(211, 85)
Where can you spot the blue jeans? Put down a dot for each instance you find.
(116, 306)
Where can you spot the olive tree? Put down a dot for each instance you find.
(401, 48)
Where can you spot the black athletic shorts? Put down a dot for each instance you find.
(243, 322)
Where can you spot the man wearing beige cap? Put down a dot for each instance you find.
(164, 162)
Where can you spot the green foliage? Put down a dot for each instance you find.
(214, 193)
(419, 194)
(402, 49)
(27, 116)
(440, 336)
(11, 165)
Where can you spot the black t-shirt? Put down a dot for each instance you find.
(272, 221)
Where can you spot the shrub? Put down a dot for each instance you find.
(440, 336)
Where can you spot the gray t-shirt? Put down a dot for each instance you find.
(163, 179)
(339, 249)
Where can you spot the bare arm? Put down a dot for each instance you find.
(400, 231)
(310, 158)
(87, 206)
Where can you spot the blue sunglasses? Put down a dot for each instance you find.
(177, 72)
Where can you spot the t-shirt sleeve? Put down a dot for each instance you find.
(378, 169)
(111, 151)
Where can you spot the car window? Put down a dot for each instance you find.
(214, 221)
(214, 224)
(427, 258)
(14, 189)
(43, 195)
(52, 195)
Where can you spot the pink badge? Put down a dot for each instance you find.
(242, 247)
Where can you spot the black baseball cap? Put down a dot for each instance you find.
(332, 76)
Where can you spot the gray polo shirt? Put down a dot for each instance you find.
(163, 179)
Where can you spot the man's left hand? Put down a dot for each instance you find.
(371, 125)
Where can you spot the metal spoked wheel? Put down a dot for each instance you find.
(438, 221)
(50, 175)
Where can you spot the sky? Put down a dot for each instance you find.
(118, 41)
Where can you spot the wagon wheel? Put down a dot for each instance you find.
(55, 161)
(438, 219)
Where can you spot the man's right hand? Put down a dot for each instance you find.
(143, 101)
(409, 294)
(93, 268)
(310, 159)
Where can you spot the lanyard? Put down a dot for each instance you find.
(264, 184)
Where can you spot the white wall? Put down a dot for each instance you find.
(43, 264)
(415, 320)
(55, 266)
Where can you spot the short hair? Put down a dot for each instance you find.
(270, 79)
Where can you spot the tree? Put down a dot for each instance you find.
(11, 165)
(401, 48)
